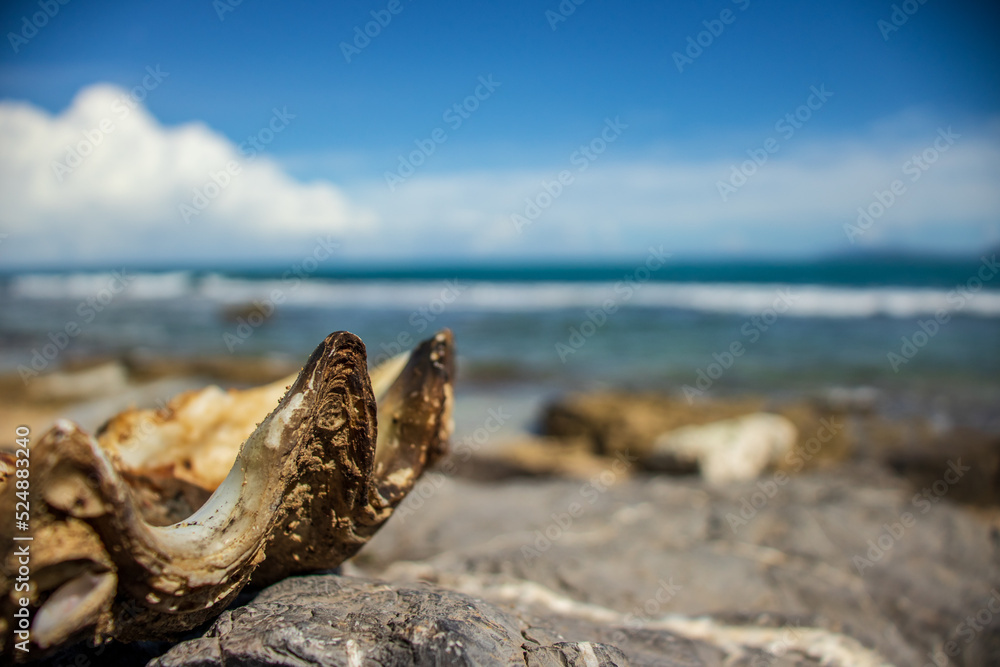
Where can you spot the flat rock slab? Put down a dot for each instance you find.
(844, 569)
(334, 620)
(856, 553)
(331, 620)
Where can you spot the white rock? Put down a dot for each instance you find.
(731, 449)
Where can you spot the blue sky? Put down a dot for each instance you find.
(344, 126)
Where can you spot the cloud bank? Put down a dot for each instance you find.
(934, 190)
(104, 181)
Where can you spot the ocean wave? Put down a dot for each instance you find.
(142, 286)
(820, 301)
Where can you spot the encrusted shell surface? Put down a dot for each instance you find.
(138, 534)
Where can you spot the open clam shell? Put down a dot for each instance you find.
(309, 486)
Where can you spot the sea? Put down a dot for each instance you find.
(914, 330)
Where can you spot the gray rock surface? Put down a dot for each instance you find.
(334, 620)
(851, 567)
(856, 553)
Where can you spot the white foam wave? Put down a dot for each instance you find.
(143, 286)
(732, 298)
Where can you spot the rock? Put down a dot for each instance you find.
(922, 454)
(528, 457)
(226, 370)
(824, 568)
(102, 380)
(848, 560)
(615, 423)
(334, 620)
(843, 426)
(729, 449)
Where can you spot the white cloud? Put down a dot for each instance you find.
(121, 202)
(799, 199)
(104, 180)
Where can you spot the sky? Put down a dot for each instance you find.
(239, 132)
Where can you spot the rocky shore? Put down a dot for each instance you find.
(868, 540)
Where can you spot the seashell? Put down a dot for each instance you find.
(138, 534)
